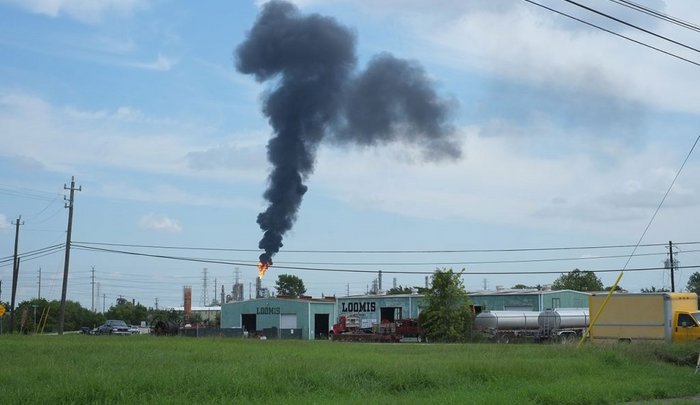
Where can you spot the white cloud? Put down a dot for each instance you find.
(162, 64)
(67, 139)
(167, 194)
(530, 45)
(3, 222)
(501, 181)
(160, 223)
(90, 11)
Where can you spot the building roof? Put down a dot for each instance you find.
(373, 296)
(202, 309)
(301, 299)
(521, 292)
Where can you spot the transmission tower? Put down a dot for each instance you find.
(204, 288)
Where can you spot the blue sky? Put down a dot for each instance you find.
(570, 135)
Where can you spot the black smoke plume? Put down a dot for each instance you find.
(316, 94)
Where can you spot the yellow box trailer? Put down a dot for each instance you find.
(669, 317)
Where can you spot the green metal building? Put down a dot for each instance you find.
(285, 318)
(373, 309)
(527, 300)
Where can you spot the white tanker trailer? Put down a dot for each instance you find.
(551, 324)
(506, 326)
(563, 324)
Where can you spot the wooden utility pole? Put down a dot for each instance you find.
(15, 273)
(93, 289)
(671, 266)
(69, 205)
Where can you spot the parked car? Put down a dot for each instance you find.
(113, 327)
(134, 330)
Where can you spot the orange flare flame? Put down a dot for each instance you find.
(262, 268)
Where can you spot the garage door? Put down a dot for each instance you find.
(288, 321)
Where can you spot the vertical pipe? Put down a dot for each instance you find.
(600, 311)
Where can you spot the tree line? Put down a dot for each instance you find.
(41, 315)
(447, 316)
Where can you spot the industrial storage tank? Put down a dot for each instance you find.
(516, 320)
(557, 319)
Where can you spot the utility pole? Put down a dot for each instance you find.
(15, 273)
(38, 294)
(380, 281)
(215, 291)
(156, 303)
(93, 288)
(98, 294)
(69, 205)
(104, 299)
(671, 266)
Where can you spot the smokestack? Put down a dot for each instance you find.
(187, 304)
(316, 94)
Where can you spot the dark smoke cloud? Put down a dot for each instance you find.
(393, 100)
(310, 60)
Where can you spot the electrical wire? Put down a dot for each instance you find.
(661, 203)
(34, 254)
(623, 22)
(612, 32)
(657, 14)
(338, 270)
(408, 251)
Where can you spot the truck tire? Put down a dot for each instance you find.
(504, 339)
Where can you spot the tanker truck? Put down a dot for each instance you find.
(667, 317)
(561, 325)
(507, 326)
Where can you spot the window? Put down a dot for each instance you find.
(556, 303)
(686, 321)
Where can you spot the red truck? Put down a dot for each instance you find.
(349, 329)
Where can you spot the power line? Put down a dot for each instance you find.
(33, 252)
(337, 270)
(34, 257)
(592, 10)
(657, 14)
(556, 259)
(612, 32)
(29, 194)
(407, 251)
(690, 152)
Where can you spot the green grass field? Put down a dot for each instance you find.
(148, 369)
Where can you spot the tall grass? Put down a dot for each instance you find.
(147, 369)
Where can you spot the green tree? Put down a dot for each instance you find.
(399, 290)
(75, 315)
(617, 288)
(130, 313)
(447, 315)
(694, 283)
(163, 315)
(578, 280)
(653, 289)
(289, 285)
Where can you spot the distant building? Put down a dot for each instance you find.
(527, 300)
(206, 314)
(286, 318)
